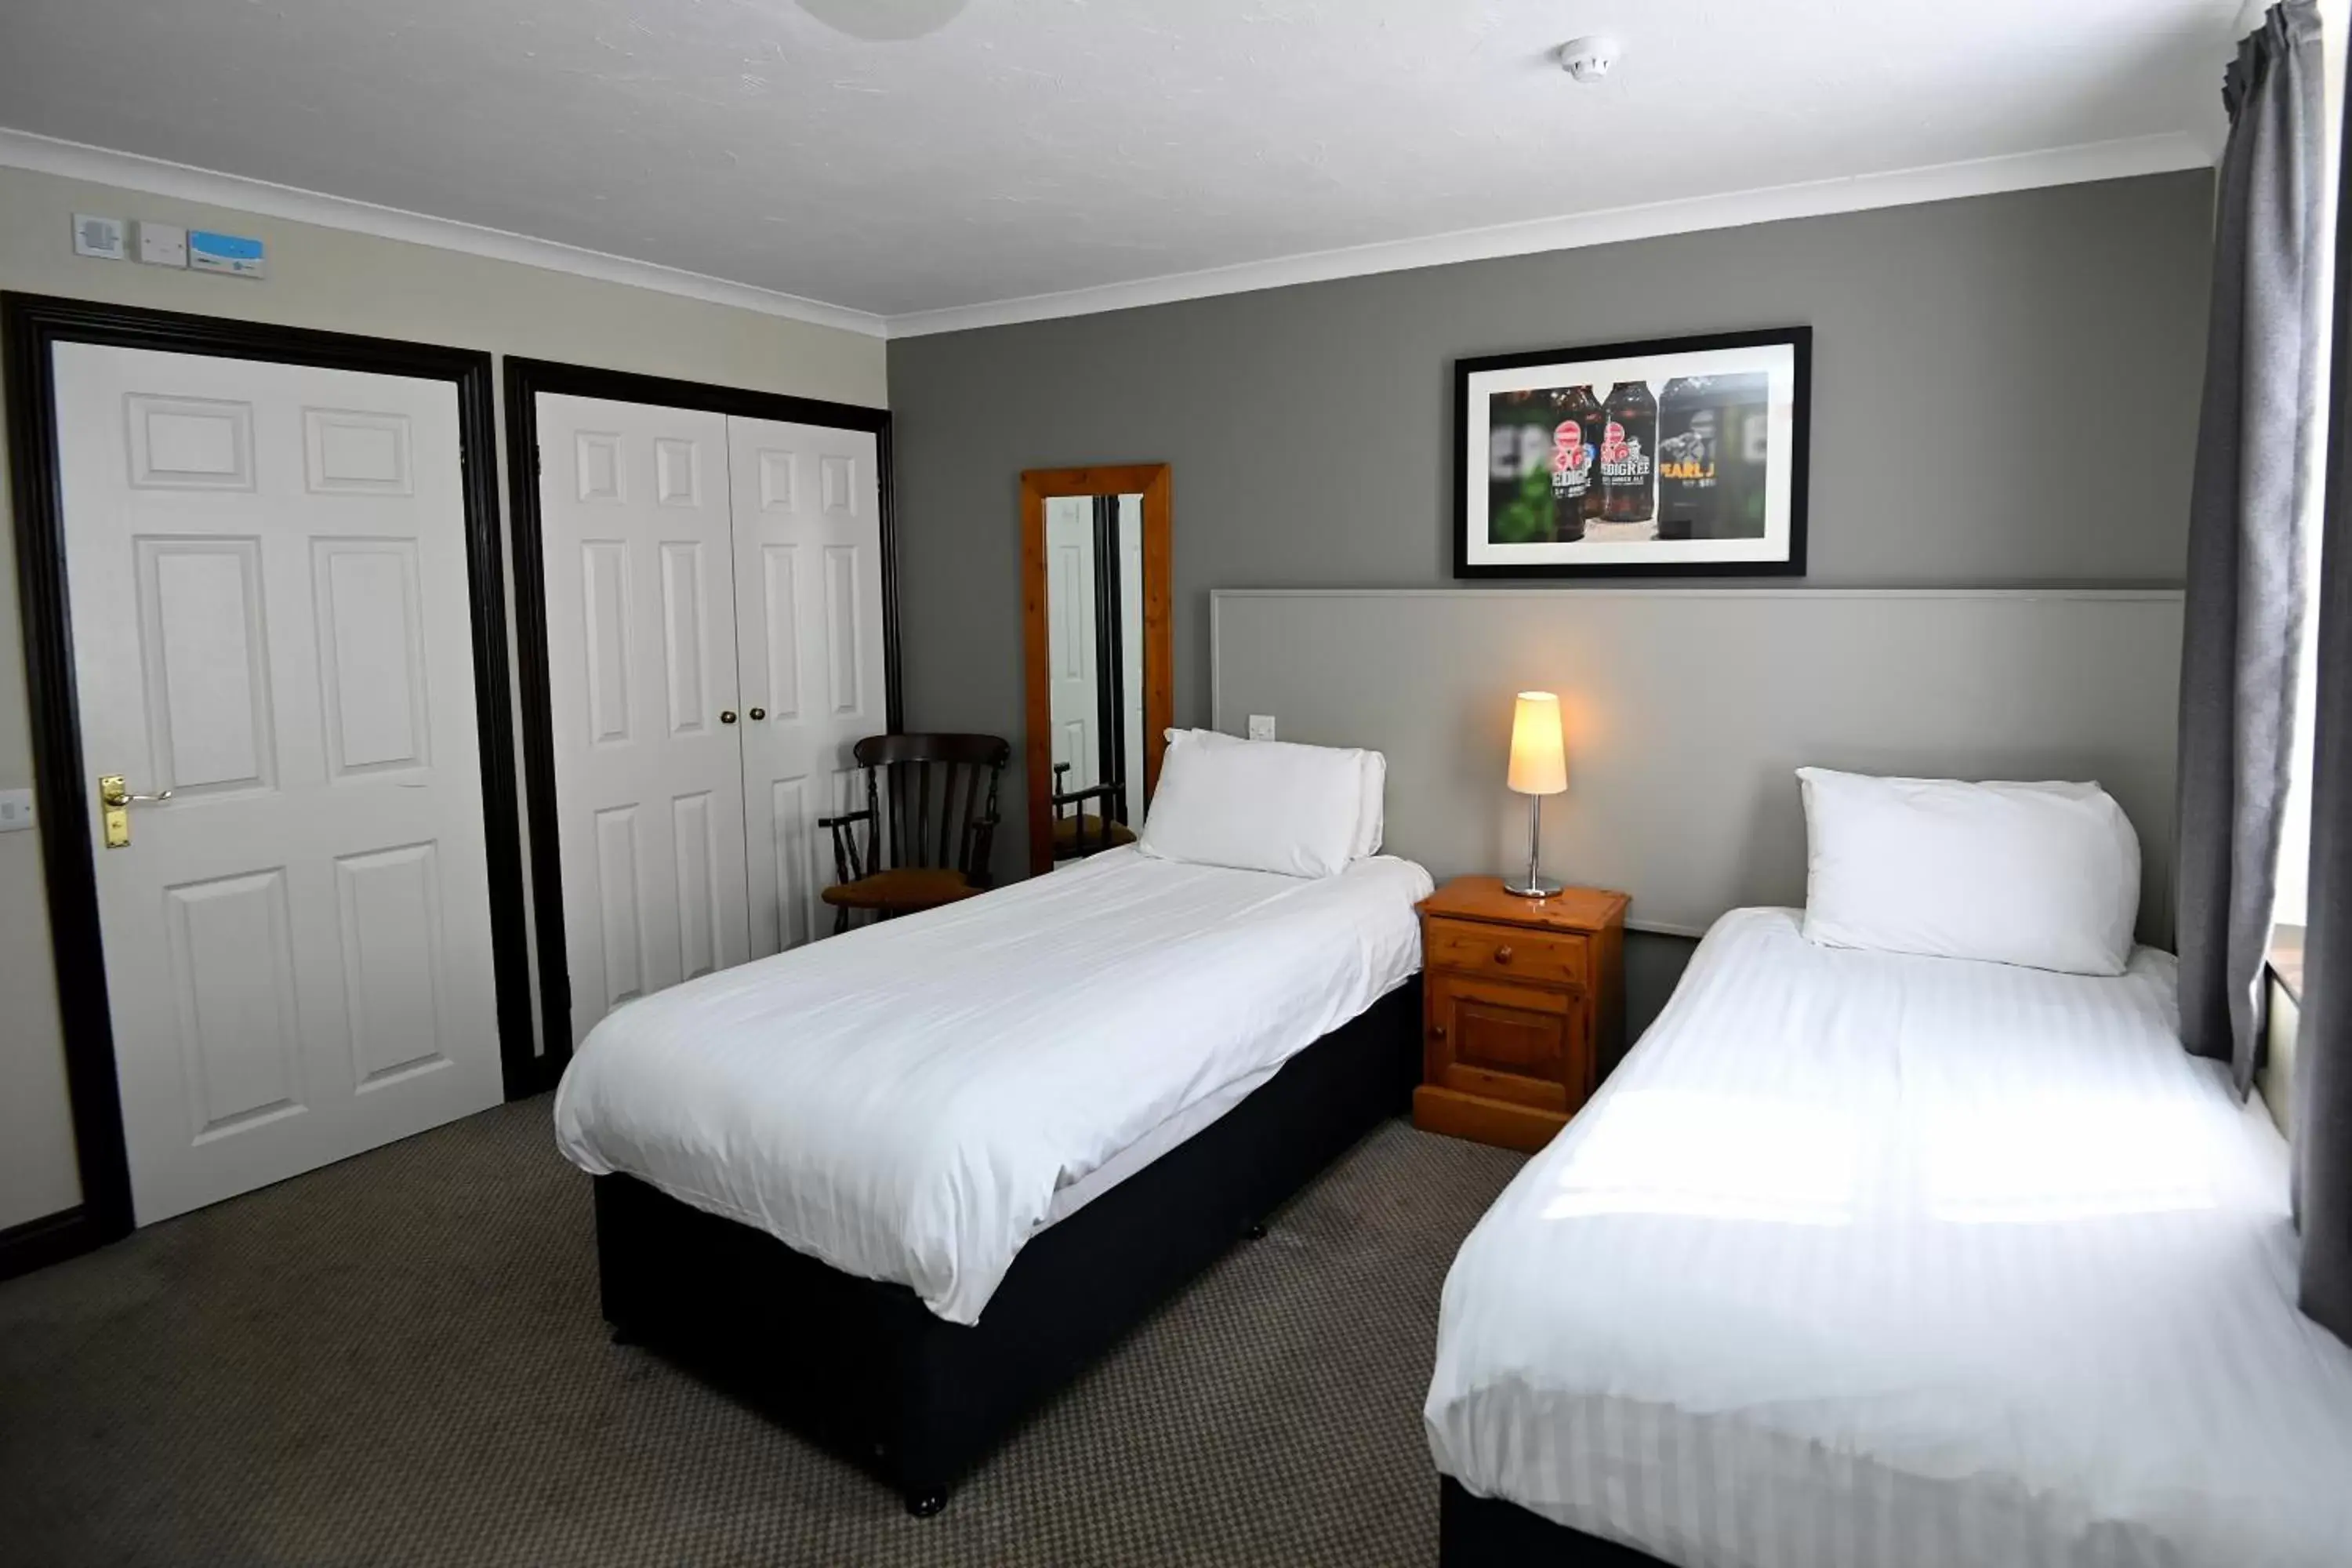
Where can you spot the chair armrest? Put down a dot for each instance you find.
(1092, 792)
(844, 821)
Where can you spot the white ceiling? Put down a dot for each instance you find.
(1034, 147)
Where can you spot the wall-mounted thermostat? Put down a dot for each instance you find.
(231, 253)
(98, 237)
(161, 244)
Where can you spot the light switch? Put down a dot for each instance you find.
(161, 244)
(1261, 727)
(15, 810)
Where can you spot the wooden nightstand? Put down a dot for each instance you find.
(1523, 1008)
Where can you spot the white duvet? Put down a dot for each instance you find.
(1872, 1259)
(906, 1101)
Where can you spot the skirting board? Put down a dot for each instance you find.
(1687, 711)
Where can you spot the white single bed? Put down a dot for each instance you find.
(1865, 1258)
(912, 1101)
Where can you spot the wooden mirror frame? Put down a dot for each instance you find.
(1038, 486)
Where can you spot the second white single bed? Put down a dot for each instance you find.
(1864, 1258)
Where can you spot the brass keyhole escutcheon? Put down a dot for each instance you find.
(115, 798)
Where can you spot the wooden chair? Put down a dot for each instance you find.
(928, 819)
(1077, 832)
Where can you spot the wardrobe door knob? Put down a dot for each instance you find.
(727, 715)
(758, 714)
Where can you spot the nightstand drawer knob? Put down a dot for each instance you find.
(1437, 1031)
(1503, 953)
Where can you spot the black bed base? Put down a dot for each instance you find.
(864, 1368)
(1488, 1533)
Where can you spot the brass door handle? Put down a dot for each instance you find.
(758, 714)
(111, 793)
(727, 715)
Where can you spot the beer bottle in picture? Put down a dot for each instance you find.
(1744, 406)
(1690, 434)
(1575, 422)
(1629, 442)
(1518, 468)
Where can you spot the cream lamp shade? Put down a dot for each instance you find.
(1539, 760)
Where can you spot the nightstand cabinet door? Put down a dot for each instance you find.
(1502, 1041)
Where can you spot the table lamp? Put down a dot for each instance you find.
(1539, 768)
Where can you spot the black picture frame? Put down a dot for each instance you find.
(31, 325)
(525, 379)
(1799, 339)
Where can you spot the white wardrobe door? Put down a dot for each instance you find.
(271, 622)
(808, 597)
(641, 663)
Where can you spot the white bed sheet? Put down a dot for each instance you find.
(1864, 1258)
(907, 1101)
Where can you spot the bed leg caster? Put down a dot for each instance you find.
(1257, 1231)
(923, 1505)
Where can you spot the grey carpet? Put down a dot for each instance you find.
(399, 1359)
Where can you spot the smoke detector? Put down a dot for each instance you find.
(1589, 59)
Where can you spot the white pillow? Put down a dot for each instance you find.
(1260, 805)
(1372, 821)
(2043, 875)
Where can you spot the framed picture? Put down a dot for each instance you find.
(1683, 457)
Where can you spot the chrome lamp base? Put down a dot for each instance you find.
(1535, 884)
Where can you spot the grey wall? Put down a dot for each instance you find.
(2004, 391)
(1688, 712)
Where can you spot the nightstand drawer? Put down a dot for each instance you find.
(1535, 957)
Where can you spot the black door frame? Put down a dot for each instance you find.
(525, 380)
(30, 325)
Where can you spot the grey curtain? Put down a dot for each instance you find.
(2320, 1111)
(2256, 451)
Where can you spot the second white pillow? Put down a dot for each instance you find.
(2044, 875)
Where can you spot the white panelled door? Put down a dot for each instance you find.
(1073, 690)
(808, 596)
(640, 566)
(266, 568)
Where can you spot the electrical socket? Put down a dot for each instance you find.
(1261, 727)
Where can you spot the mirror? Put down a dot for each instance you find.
(1095, 559)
